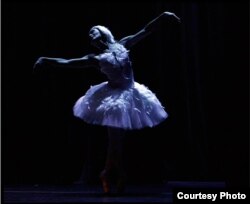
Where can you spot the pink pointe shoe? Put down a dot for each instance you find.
(105, 181)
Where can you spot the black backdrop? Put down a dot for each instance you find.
(198, 70)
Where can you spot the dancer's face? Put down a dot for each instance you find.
(95, 34)
(96, 39)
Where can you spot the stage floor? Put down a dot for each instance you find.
(77, 193)
(81, 193)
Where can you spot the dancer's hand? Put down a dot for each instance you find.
(171, 16)
(39, 64)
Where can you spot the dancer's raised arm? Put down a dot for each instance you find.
(165, 17)
(86, 61)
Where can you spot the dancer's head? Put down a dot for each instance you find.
(101, 35)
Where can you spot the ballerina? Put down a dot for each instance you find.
(120, 103)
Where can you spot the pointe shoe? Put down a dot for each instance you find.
(105, 181)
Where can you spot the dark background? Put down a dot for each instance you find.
(198, 70)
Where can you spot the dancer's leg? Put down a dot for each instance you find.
(114, 159)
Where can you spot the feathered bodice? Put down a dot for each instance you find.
(115, 64)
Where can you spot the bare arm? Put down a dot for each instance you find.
(131, 40)
(86, 61)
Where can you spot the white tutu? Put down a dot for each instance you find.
(131, 108)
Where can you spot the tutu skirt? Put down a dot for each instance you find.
(131, 108)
